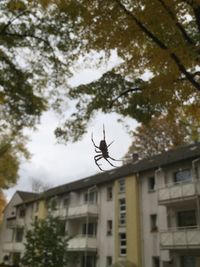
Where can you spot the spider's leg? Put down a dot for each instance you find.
(97, 158)
(104, 133)
(115, 159)
(110, 143)
(98, 151)
(110, 162)
(93, 141)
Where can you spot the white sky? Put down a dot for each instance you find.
(57, 164)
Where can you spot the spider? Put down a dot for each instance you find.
(102, 151)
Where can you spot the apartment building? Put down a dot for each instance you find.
(146, 212)
(97, 212)
(169, 188)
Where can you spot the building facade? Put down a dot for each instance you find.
(146, 212)
(170, 209)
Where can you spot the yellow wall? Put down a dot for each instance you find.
(132, 221)
(132, 226)
(42, 211)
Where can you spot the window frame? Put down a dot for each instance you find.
(150, 183)
(109, 193)
(122, 185)
(122, 244)
(154, 222)
(109, 227)
(179, 180)
(183, 224)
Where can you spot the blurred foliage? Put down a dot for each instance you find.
(162, 134)
(12, 149)
(157, 43)
(46, 244)
(34, 61)
(3, 203)
(158, 47)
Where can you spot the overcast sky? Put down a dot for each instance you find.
(56, 164)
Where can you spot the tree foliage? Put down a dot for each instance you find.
(46, 244)
(34, 62)
(160, 135)
(33, 56)
(2, 204)
(12, 149)
(158, 44)
(156, 41)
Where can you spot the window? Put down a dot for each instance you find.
(89, 261)
(122, 211)
(122, 242)
(186, 218)
(22, 212)
(19, 234)
(36, 206)
(187, 261)
(10, 223)
(109, 227)
(153, 221)
(89, 229)
(54, 203)
(156, 261)
(65, 202)
(183, 176)
(91, 197)
(151, 183)
(109, 193)
(108, 261)
(121, 185)
(122, 205)
(122, 218)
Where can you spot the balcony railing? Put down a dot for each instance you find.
(13, 246)
(62, 213)
(82, 243)
(178, 191)
(15, 223)
(180, 238)
(82, 211)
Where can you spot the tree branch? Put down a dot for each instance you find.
(12, 20)
(136, 89)
(24, 35)
(160, 44)
(179, 26)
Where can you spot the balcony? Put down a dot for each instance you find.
(176, 192)
(82, 243)
(61, 213)
(83, 211)
(13, 246)
(15, 223)
(180, 238)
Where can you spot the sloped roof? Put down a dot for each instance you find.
(26, 196)
(176, 155)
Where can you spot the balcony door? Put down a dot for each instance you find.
(89, 229)
(183, 176)
(186, 218)
(89, 261)
(187, 261)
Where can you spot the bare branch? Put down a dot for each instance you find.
(25, 35)
(12, 20)
(136, 89)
